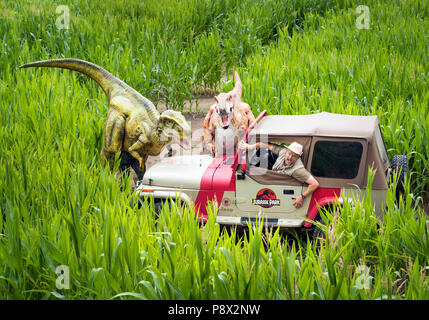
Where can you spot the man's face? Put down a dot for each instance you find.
(290, 157)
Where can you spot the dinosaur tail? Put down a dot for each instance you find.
(105, 79)
(238, 86)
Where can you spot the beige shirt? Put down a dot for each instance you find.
(295, 170)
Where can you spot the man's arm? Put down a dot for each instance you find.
(245, 146)
(313, 184)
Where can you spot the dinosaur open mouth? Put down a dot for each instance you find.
(225, 120)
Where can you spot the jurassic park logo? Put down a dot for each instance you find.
(266, 198)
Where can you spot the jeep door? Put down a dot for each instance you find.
(254, 193)
(270, 192)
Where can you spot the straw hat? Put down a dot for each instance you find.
(296, 148)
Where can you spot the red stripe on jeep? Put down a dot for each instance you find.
(218, 178)
(321, 197)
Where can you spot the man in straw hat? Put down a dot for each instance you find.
(288, 162)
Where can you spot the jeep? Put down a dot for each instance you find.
(337, 150)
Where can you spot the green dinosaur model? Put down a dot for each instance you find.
(133, 123)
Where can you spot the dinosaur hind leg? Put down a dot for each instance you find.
(127, 161)
(114, 131)
(108, 157)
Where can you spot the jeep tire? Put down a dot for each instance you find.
(318, 235)
(399, 167)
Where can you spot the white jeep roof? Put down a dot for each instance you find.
(322, 124)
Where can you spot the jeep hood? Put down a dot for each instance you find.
(181, 172)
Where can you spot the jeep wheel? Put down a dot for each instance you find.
(318, 235)
(399, 167)
(159, 204)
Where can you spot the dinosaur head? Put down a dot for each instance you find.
(224, 108)
(173, 124)
(225, 102)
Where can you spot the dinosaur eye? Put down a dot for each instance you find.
(229, 106)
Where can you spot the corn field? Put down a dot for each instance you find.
(62, 210)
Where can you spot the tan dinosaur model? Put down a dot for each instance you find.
(228, 110)
(133, 123)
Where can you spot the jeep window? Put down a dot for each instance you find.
(336, 159)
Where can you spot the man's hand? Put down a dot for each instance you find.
(313, 184)
(243, 145)
(298, 202)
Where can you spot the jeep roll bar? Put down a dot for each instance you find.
(239, 154)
